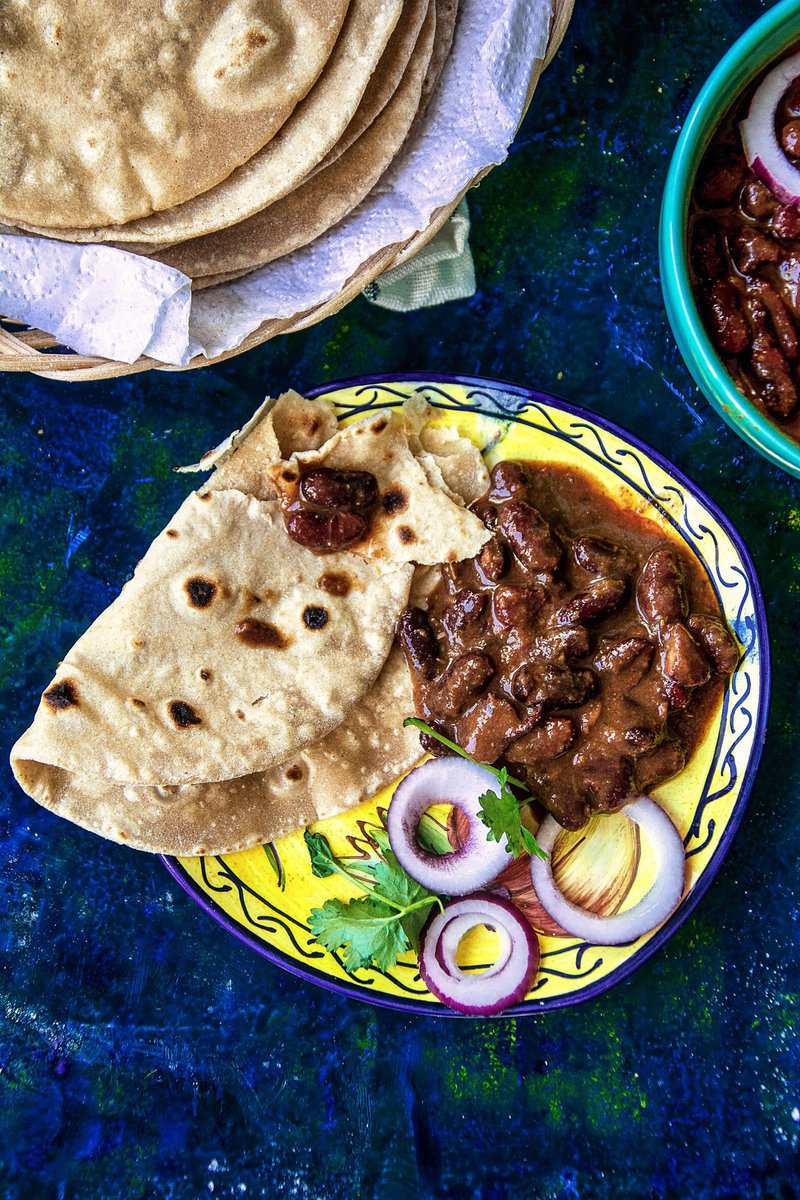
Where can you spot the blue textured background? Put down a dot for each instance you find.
(145, 1053)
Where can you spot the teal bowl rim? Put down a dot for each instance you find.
(764, 41)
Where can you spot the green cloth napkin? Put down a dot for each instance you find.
(443, 270)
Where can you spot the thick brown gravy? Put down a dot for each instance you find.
(580, 647)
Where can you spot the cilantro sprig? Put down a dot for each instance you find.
(502, 811)
(374, 929)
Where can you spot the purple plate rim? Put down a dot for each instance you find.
(623, 972)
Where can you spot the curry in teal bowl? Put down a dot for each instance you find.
(730, 237)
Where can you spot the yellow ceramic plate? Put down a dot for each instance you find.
(706, 801)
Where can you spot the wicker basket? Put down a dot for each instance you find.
(24, 349)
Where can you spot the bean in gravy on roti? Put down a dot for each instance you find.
(198, 677)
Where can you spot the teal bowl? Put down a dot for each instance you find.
(766, 40)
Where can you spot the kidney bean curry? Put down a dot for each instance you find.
(579, 647)
(744, 249)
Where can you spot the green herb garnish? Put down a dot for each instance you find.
(375, 928)
(276, 864)
(502, 811)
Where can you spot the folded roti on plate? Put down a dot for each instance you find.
(187, 719)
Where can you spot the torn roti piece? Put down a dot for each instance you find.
(188, 719)
(357, 759)
(199, 670)
(411, 515)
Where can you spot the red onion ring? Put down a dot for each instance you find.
(762, 149)
(445, 781)
(653, 908)
(504, 983)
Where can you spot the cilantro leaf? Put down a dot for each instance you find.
(502, 811)
(320, 853)
(377, 927)
(365, 930)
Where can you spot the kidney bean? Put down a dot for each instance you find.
(632, 655)
(779, 314)
(328, 488)
(466, 608)
(716, 640)
(492, 561)
(567, 644)
(661, 590)
(516, 607)
(325, 533)
(600, 557)
(640, 739)
(461, 683)
(529, 536)
(721, 181)
(750, 249)
(599, 599)
(682, 660)
(786, 222)
(757, 200)
(432, 745)
(791, 100)
(779, 391)
(607, 782)
(489, 726)
(790, 138)
(708, 256)
(418, 641)
(676, 695)
(550, 740)
(728, 323)
(508, 479)
(666, 760)
(553, 686)
(485, 512)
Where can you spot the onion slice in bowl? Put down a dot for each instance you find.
(761, 146)
(505, 982)
(653, 908)
(445, 781)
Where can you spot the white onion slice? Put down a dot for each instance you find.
(653, 908)
(460, 783)
(762, 149)
(480, 994)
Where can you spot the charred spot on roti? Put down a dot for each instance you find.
(289, 476)
(137, 644)
(183, 714)
(200, 591)
(137, 703)
(395, 500)
(315, 617)
(204, 674)
(239, 714)
(63, 694)
(261, 635)
(335, 583)
(294, 773)
(172, 533)
(406, 535)
(311, 424)
(379, 425)
(204, 495)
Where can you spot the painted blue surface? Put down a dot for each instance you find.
(144, 1053)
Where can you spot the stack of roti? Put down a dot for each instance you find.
(241, 685)
(215, 136)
